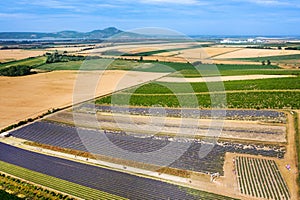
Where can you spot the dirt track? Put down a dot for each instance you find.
(219, 78)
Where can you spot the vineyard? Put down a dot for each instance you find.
(260, 178)
(67, 137)
(260, 84)
(240, 100)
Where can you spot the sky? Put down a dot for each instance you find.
(190, 17)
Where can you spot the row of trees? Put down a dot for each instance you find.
(56, 57)
(16, 71)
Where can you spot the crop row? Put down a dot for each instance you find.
(50, 182)
(260, 178)
(25, 189)
(241, 100)
(100, 183)
(68, 137)
(263, 115)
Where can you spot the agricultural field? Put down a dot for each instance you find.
(32, 62)
(50, 170)
(261, 84)
(252, 94)
(260, 178)
(242, 115)
(41, 94)
(241, 100)
(254, 53)
(24, 189)
(197, 53)
(137, 48)
(255, 106)
(18, 54)
(231, 129)
(67, 137)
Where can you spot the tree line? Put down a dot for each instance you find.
(16, 71)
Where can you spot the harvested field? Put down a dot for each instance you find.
(139, 48)
(29, 96)
(199, 53)
(18, 54)
(252, 53)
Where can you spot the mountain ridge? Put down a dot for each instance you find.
(95, 34)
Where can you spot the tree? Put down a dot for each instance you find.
(268, 62)
(141, 58)
(263, 62)
(15, 71)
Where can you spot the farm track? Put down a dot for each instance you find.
(212, 92)
(112, 182)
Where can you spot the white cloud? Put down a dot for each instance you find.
(270, 2)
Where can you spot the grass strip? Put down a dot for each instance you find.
(55, 183)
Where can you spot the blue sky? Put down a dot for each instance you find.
(204, 17)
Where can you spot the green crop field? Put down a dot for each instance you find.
(272, 58)
(242, 99)
(31, 62)
(228, 70)
(291, 83)
(151, 66)
(255, 94)
(117, 64)
(93, 64)
(195, 73)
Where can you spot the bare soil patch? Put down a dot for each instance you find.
(252, 53)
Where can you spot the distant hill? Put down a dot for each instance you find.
(96, 34)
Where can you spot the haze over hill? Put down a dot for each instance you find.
(95, 34)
